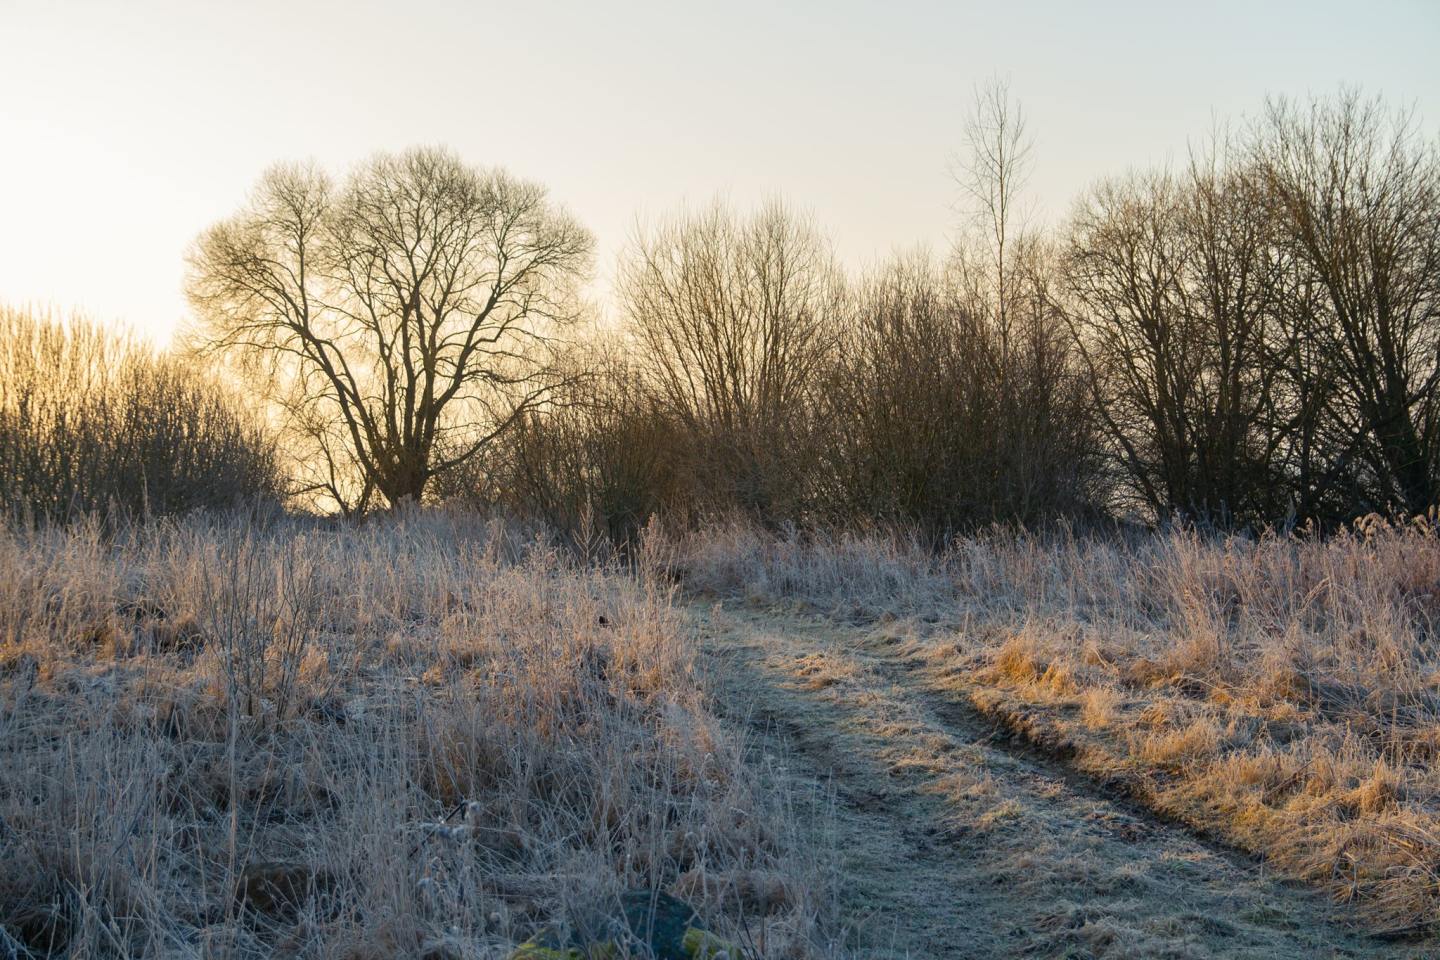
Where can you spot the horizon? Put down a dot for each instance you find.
(143, 137)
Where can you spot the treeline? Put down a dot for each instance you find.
(753, 378)
(1251, 339)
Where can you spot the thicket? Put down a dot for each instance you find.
(1250, 341)
(96, 423)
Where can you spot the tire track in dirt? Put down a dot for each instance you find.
(954, 842)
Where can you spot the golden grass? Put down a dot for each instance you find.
(416, 737)
(1279, 692)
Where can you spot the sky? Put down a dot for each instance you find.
(128, 127)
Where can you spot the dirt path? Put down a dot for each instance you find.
(954, 843)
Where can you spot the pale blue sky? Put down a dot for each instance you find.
(129, 126)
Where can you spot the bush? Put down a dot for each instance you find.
(92, 422)
(938, 420)
(594, 465)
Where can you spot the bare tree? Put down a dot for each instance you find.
(404, 318)
(991, 175)
(1177, 300)
(1237, 292)
(1000, 279)
(734, 319)
(1354, 190)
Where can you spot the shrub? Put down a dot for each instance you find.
(95, 422)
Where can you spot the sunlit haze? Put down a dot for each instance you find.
(129, 127)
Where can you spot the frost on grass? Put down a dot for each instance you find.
(1280, 692)
(416, 737)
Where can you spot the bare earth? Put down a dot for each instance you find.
(955, 842)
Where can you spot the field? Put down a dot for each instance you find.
(412, 738)
(432, 735)
(430, 529)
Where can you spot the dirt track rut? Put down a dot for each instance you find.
(954, 843)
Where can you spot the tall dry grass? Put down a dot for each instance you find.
(1280, 692)
(419, 737)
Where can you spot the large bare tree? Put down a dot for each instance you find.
(403, 318)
